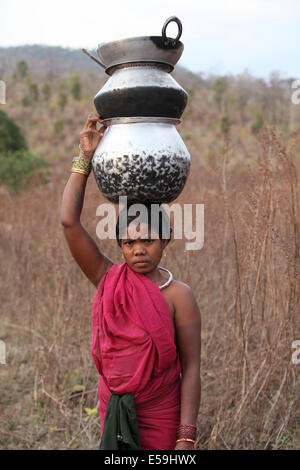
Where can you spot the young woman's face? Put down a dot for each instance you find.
(142, 254)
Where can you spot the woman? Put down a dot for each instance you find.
(146, 330)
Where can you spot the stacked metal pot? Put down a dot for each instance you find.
(141, 154)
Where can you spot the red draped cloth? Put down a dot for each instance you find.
(134, 350)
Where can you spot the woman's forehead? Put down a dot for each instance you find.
(140, 230)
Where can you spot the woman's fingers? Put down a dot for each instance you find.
(90, 131)
(92, 121)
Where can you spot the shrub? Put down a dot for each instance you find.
(225, 124)
(58, 128)
(62, 101)
(22, 70)
(257, 124)
(11, 138)
(76, 87)
(18, 168)
(46, 90)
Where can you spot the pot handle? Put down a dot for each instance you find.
(170, 41)
(94, 58)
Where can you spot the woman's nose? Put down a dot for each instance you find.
(139, 249)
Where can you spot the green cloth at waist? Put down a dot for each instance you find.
(120, 431)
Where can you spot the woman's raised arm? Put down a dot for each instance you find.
(83, 247)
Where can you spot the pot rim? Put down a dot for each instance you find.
(141, 120)
(144, 38)
(153, 54)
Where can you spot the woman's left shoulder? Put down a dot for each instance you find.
(185, 304)
(182, 289)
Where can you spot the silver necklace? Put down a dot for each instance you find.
(170, 277)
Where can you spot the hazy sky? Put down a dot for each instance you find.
(220, 36)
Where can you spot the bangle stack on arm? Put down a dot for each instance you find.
(82, 165)
(186, 433)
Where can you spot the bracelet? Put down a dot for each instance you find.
(185, 439)
(81, 165)
(84, 152)
(187, 431)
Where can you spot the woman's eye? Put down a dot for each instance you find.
(148, 240)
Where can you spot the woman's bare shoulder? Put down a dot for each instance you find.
(184, 301)
(181, 288)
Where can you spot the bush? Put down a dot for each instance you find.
(46, 90)
(18, 168)
(257, 124)
(225, 124)
(11, 138)
(76, 87)
(22, 70)
(62, 101)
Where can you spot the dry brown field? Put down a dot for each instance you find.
(245, 279)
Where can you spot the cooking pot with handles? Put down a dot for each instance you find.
(140, 83)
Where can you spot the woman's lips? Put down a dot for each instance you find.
(140, 263)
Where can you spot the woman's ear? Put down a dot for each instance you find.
(164, 243)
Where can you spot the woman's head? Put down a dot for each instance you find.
(143, 231)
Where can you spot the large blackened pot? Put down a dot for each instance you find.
(143, 160)
(141, 90)
(140, 83)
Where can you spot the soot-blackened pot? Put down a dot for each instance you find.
(140, 83)
(145, 161)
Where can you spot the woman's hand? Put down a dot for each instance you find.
(89, 136)
(184, 445)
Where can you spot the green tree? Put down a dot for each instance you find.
(59, 128)
(225, 124)
(33, 92)
(22, 70)
(18, 168)
(219, 87)
(257, 124)
(46, 91)
(76, 87)
(11, 138)
(62, 101)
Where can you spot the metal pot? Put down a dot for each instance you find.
(157, 49)
(141, 90)
(139, 83)
(143, 159)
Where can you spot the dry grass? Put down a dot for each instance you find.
(246, 280)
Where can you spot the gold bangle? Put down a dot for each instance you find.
(80, 171)
(185, 439)
(81, 165)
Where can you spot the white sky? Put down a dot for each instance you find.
(220, 36)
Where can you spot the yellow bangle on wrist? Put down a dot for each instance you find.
(81, 165)
(185, 439)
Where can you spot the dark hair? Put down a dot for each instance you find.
(160, 224)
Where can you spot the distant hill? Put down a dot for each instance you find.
(50, 62)
(45, 60)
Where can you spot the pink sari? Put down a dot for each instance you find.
(134, 351)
